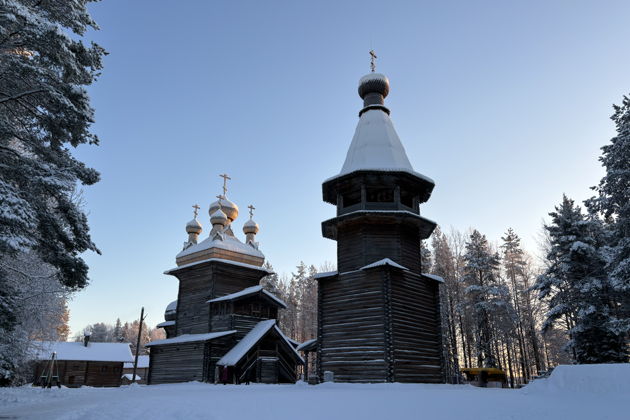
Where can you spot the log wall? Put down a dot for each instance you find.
(74, 373)
(360, 245)
(198, 284)
(181, 362)
(417, 344)
(351, 331)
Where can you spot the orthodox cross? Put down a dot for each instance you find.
(225, 180)
(373, 60)
(220, 197)
(251, 210)
(196, 209)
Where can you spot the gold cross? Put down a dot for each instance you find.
(373, 60)
(251, 210)
(225, 180)
(196, 207)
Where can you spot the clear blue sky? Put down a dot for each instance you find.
(503, 104)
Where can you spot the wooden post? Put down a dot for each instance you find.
(135, 361)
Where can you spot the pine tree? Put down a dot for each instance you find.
(444, 266)
(516, 272)
(45, 110)
(485, 295)
(613, 202)
(576, 286)
(8, 322)
(118, 331)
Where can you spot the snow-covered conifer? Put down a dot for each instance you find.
(44, 111)
(576, 286)
(484, 294)
(613, 202)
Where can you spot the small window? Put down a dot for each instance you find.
(380, 195)
(103, 368)
(351, 199)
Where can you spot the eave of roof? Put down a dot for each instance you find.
(247, 293)
(189, 338)
(221, 261)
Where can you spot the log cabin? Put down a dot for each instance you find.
(378, 314)
(223, 326)
(82, 363)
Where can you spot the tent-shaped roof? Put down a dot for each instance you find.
(375, 145)
(249, 292)
(93, 352)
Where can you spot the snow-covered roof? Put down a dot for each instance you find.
(189, 338)
(375, 145)
(306, 344)
(295, 343)
(325, 274)
(143, 362)
(384, 261)
(239, 351)
(128, 376)
(229, 243)
(165, 324)
(287, 340)
(172, 307)
(94, 352)
(433, 277)
(248, 292)
(240, 264)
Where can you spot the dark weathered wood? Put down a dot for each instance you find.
(195, 315)
(182, 362)
(74, 373)
(379, 324)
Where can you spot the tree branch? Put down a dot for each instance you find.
(20, 95)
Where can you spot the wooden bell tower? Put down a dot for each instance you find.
(379, 316)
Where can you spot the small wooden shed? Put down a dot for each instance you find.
(82, 363)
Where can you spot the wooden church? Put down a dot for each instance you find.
(378, 315)
(223, 326)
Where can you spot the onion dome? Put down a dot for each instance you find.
(373, 88)
(228, 208)
(218, 218)
(250, 227)
(171, 311)
(193, 227)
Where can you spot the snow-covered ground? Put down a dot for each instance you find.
(572, 392)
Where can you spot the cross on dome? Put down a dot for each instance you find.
(225, 180)
(251, 210)
(220, 197)
(373, 58)
(196, 210)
